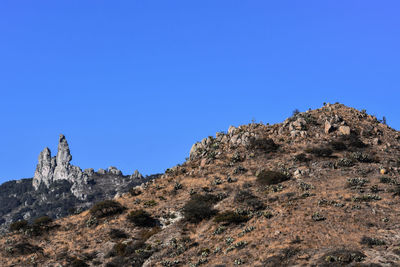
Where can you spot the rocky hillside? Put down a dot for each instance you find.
(320, 189)
(59, 188)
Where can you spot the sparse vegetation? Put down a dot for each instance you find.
(318, 217)
(117, 233)
(106, 208)
(357, 182)
(250, 200)
(302, 157)
(230, 217)
(265, 145)
(41, 221)
(267, 177)
(141, 218)
(371, 241)
(199, 207)
(319, 151)
(342, 257)
(362, 157)
(18, 225)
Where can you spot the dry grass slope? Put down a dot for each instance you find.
(320, 189)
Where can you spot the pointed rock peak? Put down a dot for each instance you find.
(45, 154)
(62, 138)
(63, 153)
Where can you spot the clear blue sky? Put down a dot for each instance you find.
(135, 83)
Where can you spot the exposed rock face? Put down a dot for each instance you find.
(114, 170)
(345, 130)
(59, 187)
(137, 175)
(44, 169)
(51, 169)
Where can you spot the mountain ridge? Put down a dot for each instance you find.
(319, 189)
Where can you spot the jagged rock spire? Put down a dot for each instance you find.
(63, 158)
(50, 169)
(44, 169)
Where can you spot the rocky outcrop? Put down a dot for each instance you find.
(44, 169)
(51, 169)
(137, 175)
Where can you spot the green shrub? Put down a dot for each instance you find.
(267, 177)
(362, 157)
(117, 233)
(141, 218)
(230, 217)
(79, 263)
(338, 145)
(357, 182)
(199, 207)
(106, 208)
(345, 162)
(301, 158)
(18, 225)
(134, 192)
(41, 221)
(150, 203)
(23, 248)
(264, 144)
(319, 151)
(387, 180)
(370, 241)
(341, 257)
(247, 198)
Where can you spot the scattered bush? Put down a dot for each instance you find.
(78, 263)
(267, 177)
(246, 197)
(106, 208)
(357, 182)
(345, 162)
(320, 151)
(117, 233)
(264, 144)
(318, 217)
(351, 141)
(239, 170)
(18, 225)
(362, 157)
(387, 180)
(341, 257)
(23, 248)
(338, 145)
(366, 198)
(302, 157)
(371, 241)
(230, 217)
(134, 192)
(141, 218)
(199, 207)
(150, 203)
(42, 221)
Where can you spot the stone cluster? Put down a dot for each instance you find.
(239, 136)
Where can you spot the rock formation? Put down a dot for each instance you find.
(44, 169)
(51, 169)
